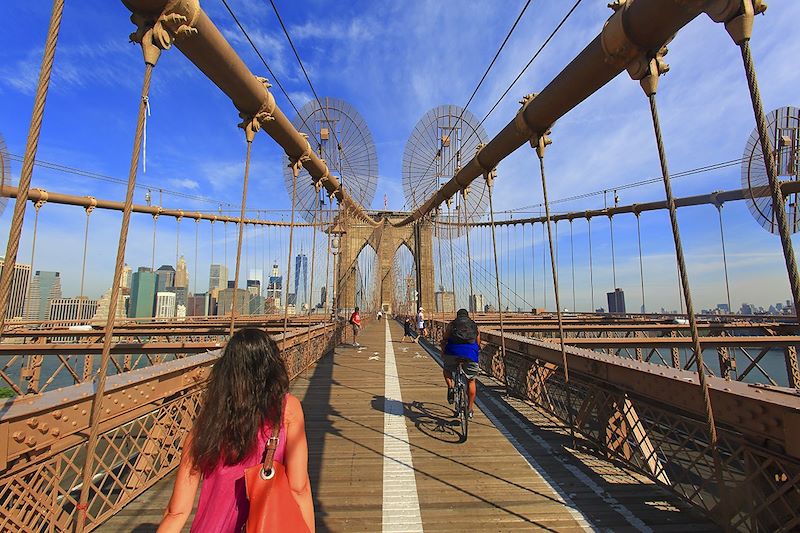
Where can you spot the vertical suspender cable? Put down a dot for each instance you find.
(83, 262)
(251, 125)
(533, 262)
(489, 176)
(572, 260)
(452, 260)
(641, 264)
(153, 256)
(541, 142)
(472, 307)
(649, 84)
(151, 54)
(295, 171)
(544, 268)
(591, 263)
(524, 267)
(778, 200)
(196, 240)
(26, 303)
(31, 146)
(613, 258)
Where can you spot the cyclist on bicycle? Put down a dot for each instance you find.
(460, 344)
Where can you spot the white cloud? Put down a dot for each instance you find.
(183, 183)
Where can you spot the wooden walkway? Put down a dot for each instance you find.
(385, 455)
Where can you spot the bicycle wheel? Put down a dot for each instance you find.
(464, 407)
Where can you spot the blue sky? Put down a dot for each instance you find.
(393, 62)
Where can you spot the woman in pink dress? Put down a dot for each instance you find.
(247, 395)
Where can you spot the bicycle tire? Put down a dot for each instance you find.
(464, 407)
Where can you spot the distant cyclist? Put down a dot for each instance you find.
(461, 344)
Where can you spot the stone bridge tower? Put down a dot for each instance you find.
(385, 239)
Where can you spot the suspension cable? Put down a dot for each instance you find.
(151, 54)
(31, 146)
(541, 142)
(251, 125)
(649, 84)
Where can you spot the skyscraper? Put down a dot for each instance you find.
(45, 286)
(323, 296)
(181, 274)
(71, 310)
(217, 278)
(300, 277)
(166, 277)
(258, 275)
(274, 290)
(125, 282)
(143, 294)
(19, 288)
(256, 301)
(165, 305)
(616, 301)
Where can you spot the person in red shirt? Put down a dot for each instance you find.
(355, 321)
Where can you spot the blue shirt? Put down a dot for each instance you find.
(465, 351)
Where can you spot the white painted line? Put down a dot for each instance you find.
(400, 499)
(579, 517)
(607, 498)
(558, 493)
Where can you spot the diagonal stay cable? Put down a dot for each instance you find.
(483, 78)
(310, 85)
(524, 69)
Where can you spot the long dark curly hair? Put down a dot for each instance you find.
(245, 390)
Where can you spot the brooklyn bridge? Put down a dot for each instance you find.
(626, 383)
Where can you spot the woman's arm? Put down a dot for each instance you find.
(182, 500)
(296, 459)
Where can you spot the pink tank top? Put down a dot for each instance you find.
(223, 504)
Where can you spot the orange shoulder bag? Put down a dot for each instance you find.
(272, 505)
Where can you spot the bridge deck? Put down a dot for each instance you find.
(385, 455)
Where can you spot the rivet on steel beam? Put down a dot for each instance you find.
(33, 422)
(55, 432)
(30, 441)
(19, 436)
(57, 414)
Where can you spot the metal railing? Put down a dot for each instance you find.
(147, 414)
(651, 418)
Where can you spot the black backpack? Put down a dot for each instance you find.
(463, 331)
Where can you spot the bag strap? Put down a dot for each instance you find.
(272, 446)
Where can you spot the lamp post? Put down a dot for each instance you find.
(335, 252)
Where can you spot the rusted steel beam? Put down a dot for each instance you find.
(634, 29)
(714, 198)
(37, 195)
(757, 411)
(213, 55)
(33, 427)
(672, 342)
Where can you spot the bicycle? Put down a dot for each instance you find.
(461, 399)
